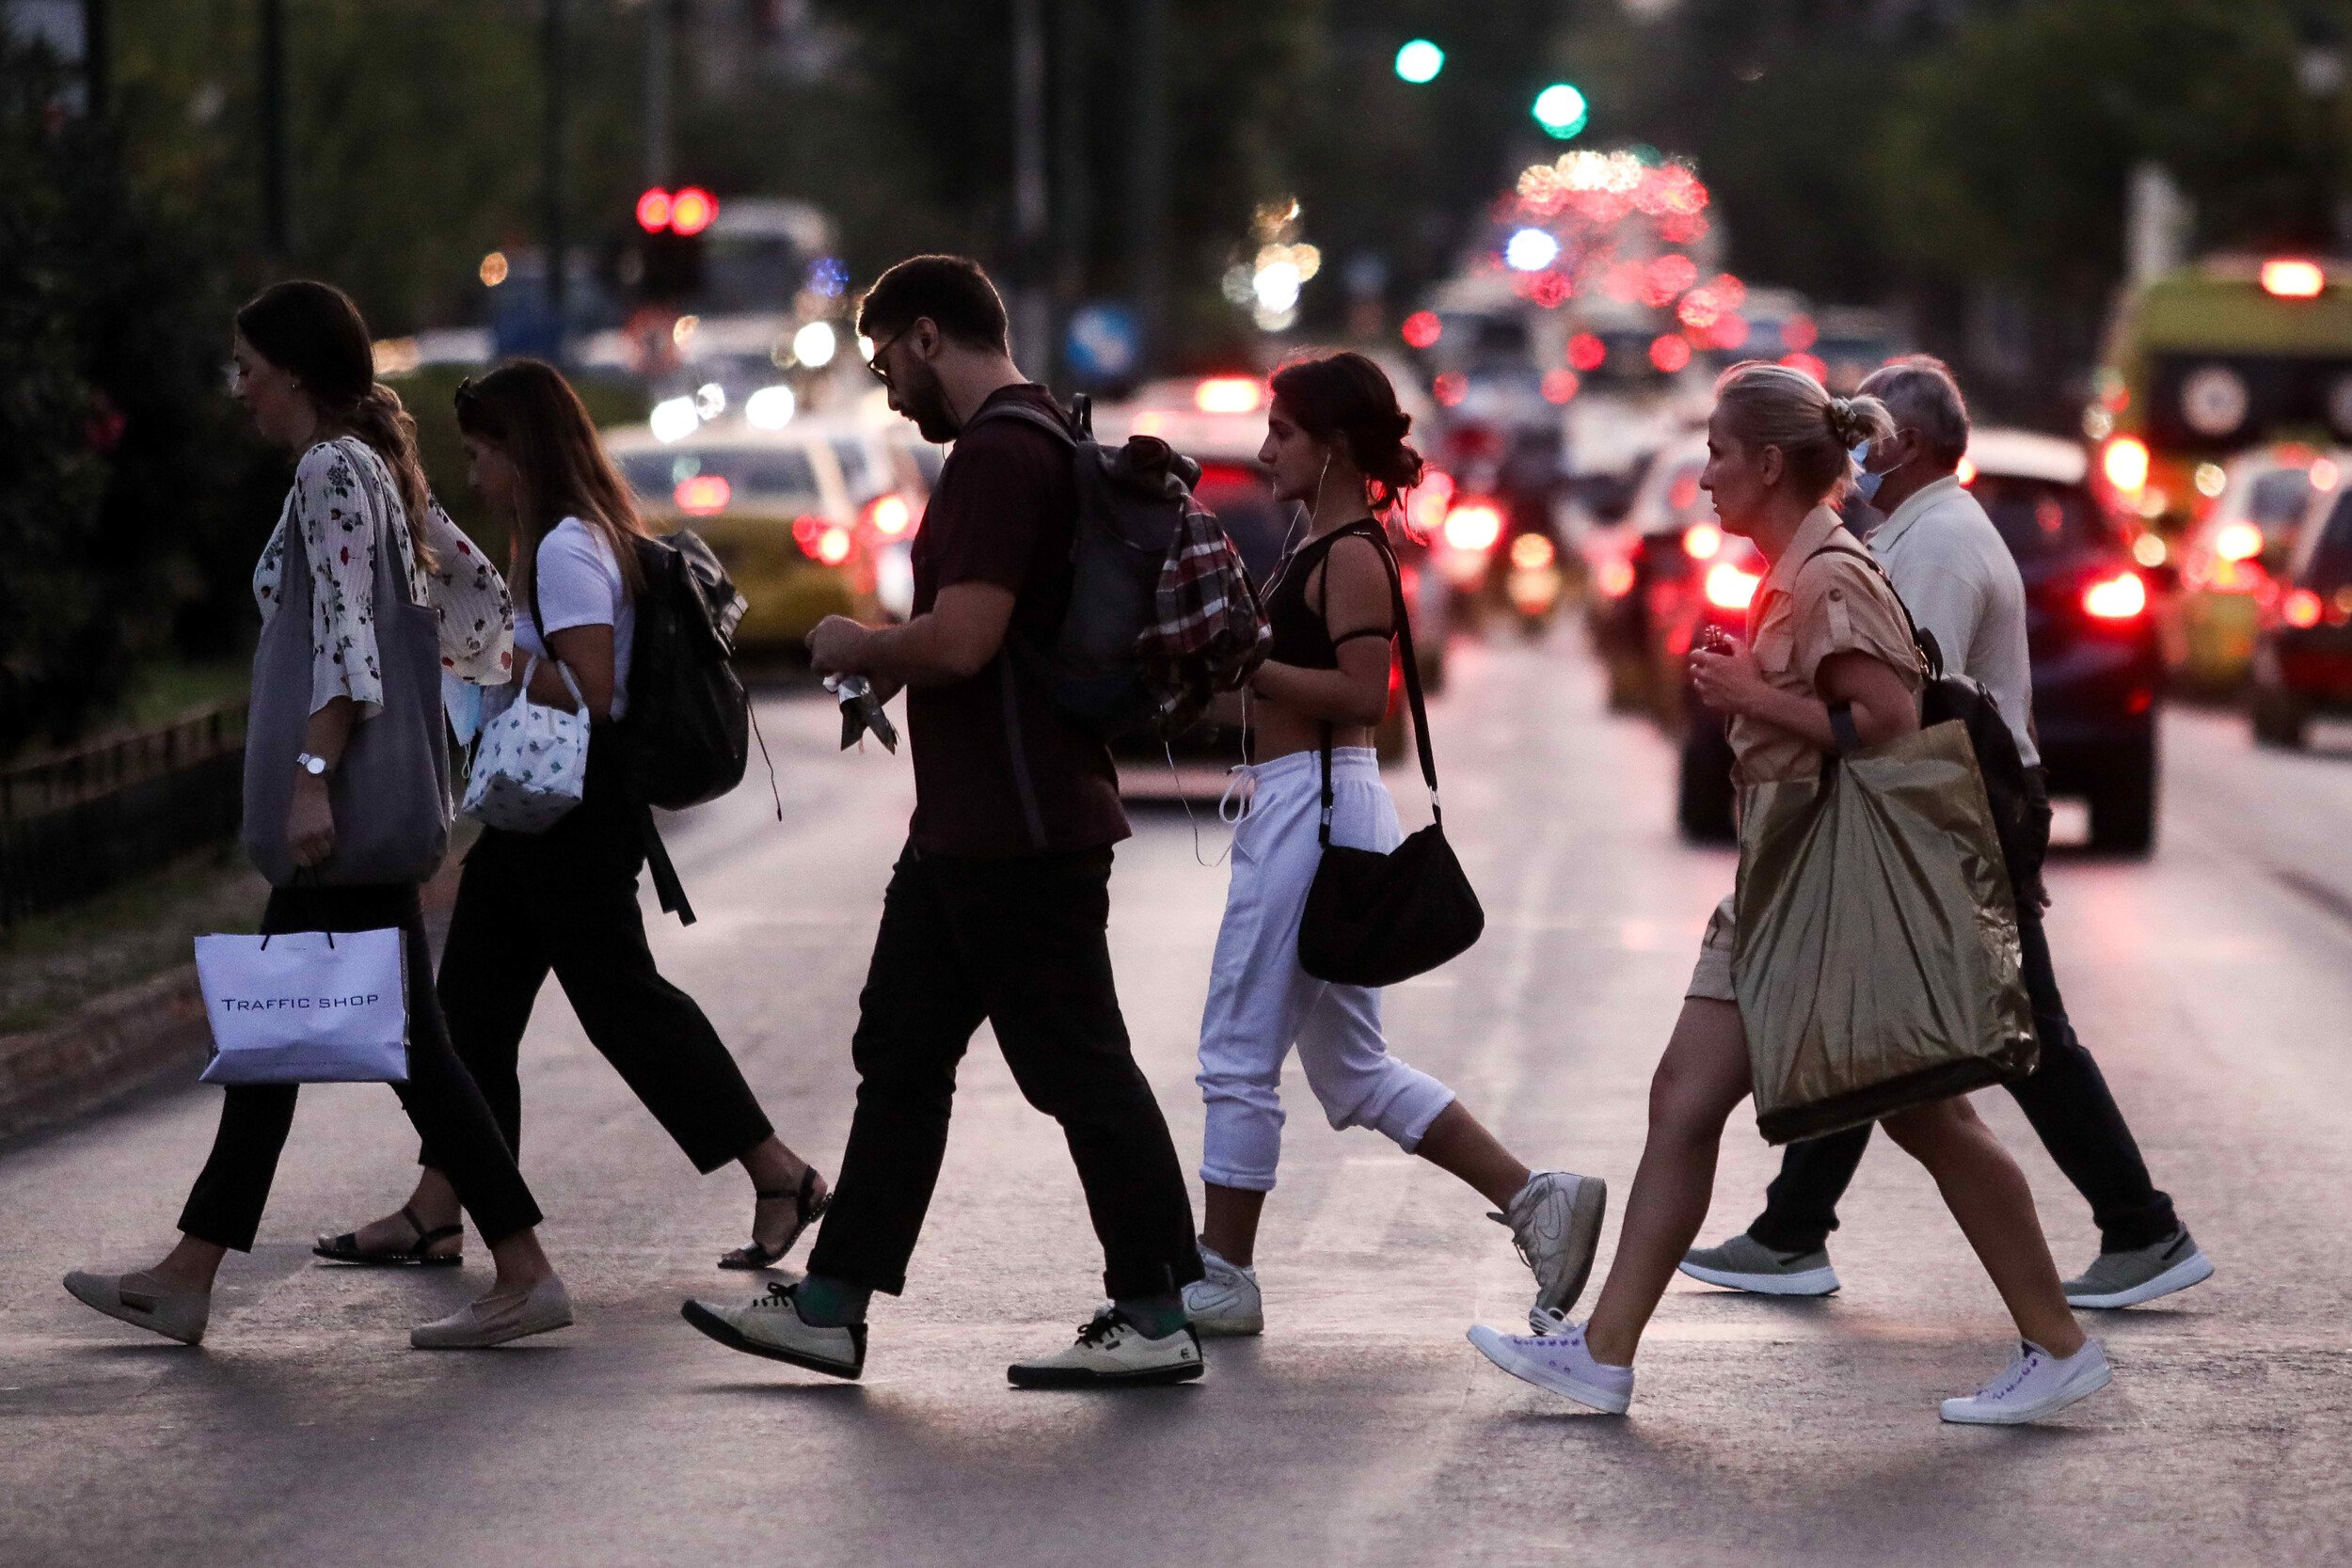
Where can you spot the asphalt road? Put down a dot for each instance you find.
(2214, 982)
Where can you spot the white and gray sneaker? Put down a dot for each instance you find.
(2037, 1384)
(772, 1326)
(1225, 1301)
(2140, 1275)
(1744, 1264)
(1560, 1363)
(1555, 1223)
(1111, 1353)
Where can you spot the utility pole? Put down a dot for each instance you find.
(551, 43)
(1147, 181)
(658, 156)
(97, 59)
(1032, 314)
(276, 210)
(1073, 216)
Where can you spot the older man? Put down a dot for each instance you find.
(1960, 582)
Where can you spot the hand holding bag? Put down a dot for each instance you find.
(306, 1007)
(390, 790)
(1875, 947)
(529, 765)
(1374, 919)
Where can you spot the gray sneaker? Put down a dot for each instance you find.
(2141, 1274)
(1744, 1264)
(1555, 1223)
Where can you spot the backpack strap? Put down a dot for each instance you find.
(1078, 425)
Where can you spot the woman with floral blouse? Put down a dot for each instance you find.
(304, 369)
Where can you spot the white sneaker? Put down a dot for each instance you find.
(1558, 1362)
(1225, 1301)
(146, 1300)
(772, 1326)
(1111, 1352)
(2037, 1384)
(1555, 1223)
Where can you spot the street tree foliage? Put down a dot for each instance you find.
(127, 516)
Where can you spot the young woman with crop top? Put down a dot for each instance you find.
(1335, 440)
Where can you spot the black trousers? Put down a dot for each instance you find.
(1020, 942)
(566, 901)
(2066, 1099)
(225, 1206)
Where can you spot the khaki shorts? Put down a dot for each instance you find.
(1712, 980)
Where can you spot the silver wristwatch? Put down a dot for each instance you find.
(315, 766)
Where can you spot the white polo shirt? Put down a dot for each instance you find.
(1958, 580)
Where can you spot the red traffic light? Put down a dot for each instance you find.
(692, 210)
(689, 211)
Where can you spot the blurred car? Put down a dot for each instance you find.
(2302, 664)
(1638, 568)
(1219, 422)
(2230, 560)
(2091, 638)
(799, 514)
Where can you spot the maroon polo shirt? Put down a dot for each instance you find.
(1004, 512)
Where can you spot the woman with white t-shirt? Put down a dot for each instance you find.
(566, 899)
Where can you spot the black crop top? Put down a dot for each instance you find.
(1301, 638)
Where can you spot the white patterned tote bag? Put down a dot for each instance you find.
(531, 763)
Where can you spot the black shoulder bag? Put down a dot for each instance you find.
(1374, 919)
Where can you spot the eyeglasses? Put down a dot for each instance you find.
(874, 360)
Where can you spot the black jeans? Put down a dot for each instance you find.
(2066, 1099)
(1020, 942)
(225, 1206)
(565, 900)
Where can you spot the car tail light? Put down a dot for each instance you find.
(1531, 552)
(832, 546)
(702, 495)
(1473, 525)
(2119, 597)
(1966, 472)
(1229, 394)
(2287, 279)
(890, 516)
(2237, 541)
(1614, 578)
(2125, 463)
(1702, 541)
(2302, 609)
(1426, 505)
(1730, 588)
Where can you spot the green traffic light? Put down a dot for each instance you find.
(1560, 110)
(1420, 61)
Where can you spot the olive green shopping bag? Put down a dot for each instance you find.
(1876, 950)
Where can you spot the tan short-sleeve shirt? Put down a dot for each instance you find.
(1822, 598)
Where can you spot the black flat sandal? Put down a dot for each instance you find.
(807, 1209)
(345, 1249)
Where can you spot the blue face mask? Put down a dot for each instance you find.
(1865, 482)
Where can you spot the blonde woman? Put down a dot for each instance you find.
(304, 369)
(1826, 629)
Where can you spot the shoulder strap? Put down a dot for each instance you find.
(1412, 685)
(1930, 650)
(1030, 414)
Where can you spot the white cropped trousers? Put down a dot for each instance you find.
(1262, 1003)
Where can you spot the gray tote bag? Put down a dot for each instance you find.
(391, 792)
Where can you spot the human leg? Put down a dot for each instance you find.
(1700, 1080)
(1033, 934)
(917, 1016)
(1987, 1194)
(1800, 1205)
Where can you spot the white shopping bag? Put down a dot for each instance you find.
(531, 765)
(306, 1007)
